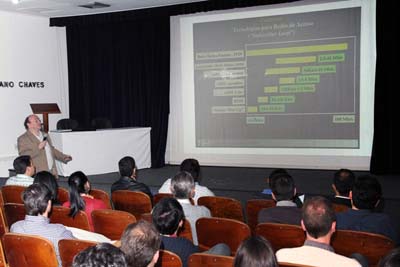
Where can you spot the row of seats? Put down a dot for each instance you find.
(28, 250)
(210, 230)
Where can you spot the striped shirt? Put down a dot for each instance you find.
(20, 179)
(40, 226)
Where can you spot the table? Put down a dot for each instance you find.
(98, 152)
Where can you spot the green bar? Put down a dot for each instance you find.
(270, 89)
(272, 108)
(272, 71)
(294, 60)
(339, 57)
(297, 88)
(252, 109)
(262, 99)
(319, 69)
(297, 49)
(287, 80)
(255, 120)
(282, 99)
(344, 118)
(307, 79)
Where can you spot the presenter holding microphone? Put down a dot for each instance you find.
(38, 145)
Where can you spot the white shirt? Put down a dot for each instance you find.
(200, 191)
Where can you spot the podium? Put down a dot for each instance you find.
(45, 109)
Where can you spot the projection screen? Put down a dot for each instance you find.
(278, 86)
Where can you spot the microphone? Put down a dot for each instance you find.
(44, 137)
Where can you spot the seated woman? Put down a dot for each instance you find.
(79, 198)
(48, 179)
(255, 251)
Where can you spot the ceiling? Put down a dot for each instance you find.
(62, 8)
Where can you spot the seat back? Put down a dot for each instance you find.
(159, 196)
(168, 259)
(135, 203)
(186, 230)
(253, 207)
(202, 260)
(223, 207)
(372, 246)
(59, 214)
(3, 262)
(281, 235)
(3, 223)
(12, 193)
(14, 212)
(102, 195)
(70, 247)
(66, 124)
(339, 207)
(63, 195)
(111, 223)
(211, 231)
(28, 251)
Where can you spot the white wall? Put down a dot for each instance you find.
(30, 51)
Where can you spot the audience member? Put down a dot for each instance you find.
(141, 243)
(128, 179)
(392, 259)
(183, 188)
(365, 196)
(37, 201)
(255, 251)
(343, 181)
(48, 179)
(24, 169)
(101, 255)
(79, 198)
(319, 223)
(168, 217)
(38, 145)
(191, 166)
(286, 211)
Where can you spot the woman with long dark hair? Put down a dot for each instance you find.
(79, 198)
(255, 251)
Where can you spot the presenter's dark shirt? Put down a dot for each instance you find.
(127, 183)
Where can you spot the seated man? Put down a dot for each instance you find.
(141, 243)
(37, 201)
(168, 218)
(24, 168)
(286, 211)
(103, 254)
(191, 166)
(128, 180)
(343, 182)
(365, 196)
(183, 188)
(319, 223)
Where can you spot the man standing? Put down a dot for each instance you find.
(38, 145)
(127, 181)
(37, 201)
(24, 168)
(319, 223)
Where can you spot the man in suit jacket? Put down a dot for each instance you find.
(38, 145)
(286, 210)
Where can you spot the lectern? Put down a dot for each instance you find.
(45, 109)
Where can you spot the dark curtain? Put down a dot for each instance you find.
(121, 71)
(386, 143)
(118, 66)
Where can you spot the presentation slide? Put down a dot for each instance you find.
(278, 81)
(288, 85)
